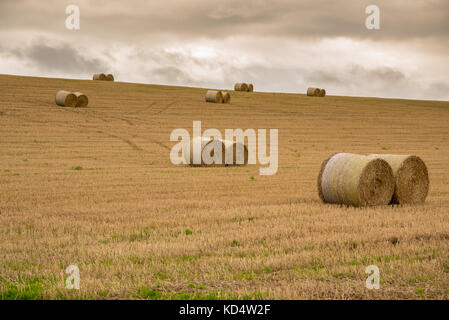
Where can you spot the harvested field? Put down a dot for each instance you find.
(95, 187)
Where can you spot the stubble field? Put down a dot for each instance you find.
(95, 187)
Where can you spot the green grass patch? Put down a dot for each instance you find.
(420, 292)
(29, 290)
(152, 294)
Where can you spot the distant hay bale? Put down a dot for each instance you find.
(239, 152)
(322, 93)
(355, 180)
(82, 100)
(214, 96)
(226, 97)
(65, 99)
(109, 77)
(250, 87)
(241, 87)
(99, 76)
(208, 145)
(411, 178)
(313, 92)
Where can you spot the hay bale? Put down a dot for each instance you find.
(214, 96)
(99, 76)
(313, 92)
(322, 93)
(355, 180)
(232, 146)
(241, 87)
(250, 87)
(208, 144)
(411, 178)
(226, 97)
(109, 77)
(81, 100)
(65, 99)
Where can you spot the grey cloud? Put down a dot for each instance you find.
(359, 80)
(400, 19)
(170, 75)
(438, 90)
(61, 58)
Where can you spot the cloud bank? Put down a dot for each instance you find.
(279, 45)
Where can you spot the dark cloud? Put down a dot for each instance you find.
(438, 90)
(170, 75)
(61, 58)
(400, 19)
(357, 72)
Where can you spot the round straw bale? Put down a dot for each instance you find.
(355, 180)
(313, 92)
(207, 144)
(322, 93)
(411, 178)
(214, 96)
(232, 146)
(82, 100)
(65, 99)
(250, 87)
(241, 87)
(226, 97)
(99, 76)
(109, 77)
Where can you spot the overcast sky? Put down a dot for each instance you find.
(279, 45)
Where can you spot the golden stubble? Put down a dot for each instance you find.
(95, 187)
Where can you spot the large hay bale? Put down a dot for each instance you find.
(81, 100)
(207, 144)
(411, 178)
(313, 92)
(99, 76)
(241, 87)
(355, 180)
(250, 87)
(322, 93)
(226, 97)
(214, 96)
(237, 159)
(109, 77)
(65, 99)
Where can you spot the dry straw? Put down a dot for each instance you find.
(65, 99)
(239, 153)
(355, 180)
(214, 96)
(208, 146)
(241, 87)
(322, 93)
(82, 100)
(99, 76)
(226, 97)
(109, 77)
(411, 178)
(250, 87)
(313, 92)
